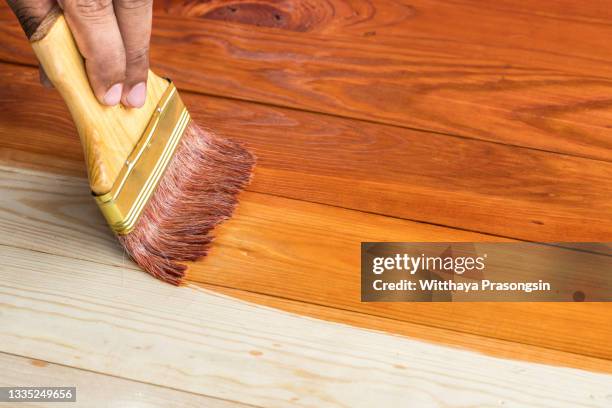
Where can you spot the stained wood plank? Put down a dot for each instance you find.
(508, 77)
(313, 255)
(426, 177)
(595, 12)
(96, 390)
(298, 251)
(110, 320)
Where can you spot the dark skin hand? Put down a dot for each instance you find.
(113, 37)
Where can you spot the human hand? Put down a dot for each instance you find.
(113, 38)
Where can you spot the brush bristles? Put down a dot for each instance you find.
(197, 192)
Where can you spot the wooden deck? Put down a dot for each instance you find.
(373, 120)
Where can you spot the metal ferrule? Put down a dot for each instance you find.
(145, 166)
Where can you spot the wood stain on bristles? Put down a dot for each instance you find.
(197, 192)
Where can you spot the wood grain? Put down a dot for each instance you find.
(113, 321)
(313, 255)
(306, 252)
(449, 338)
(381, 169)
(96, 390)
(508, 77)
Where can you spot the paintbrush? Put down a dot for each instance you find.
(162, 183)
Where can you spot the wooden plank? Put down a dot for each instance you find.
(449, 338)
(96, 390)
(313, 255)
(593, 12)
(113, 321)
(508, 77)
(460, 183)
(295, 250)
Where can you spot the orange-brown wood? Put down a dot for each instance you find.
(312, 254)
(468, 184)
(508, 76)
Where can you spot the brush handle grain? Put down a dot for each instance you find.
(108, 134)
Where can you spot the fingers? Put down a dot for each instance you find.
(114, 41)
(134, 18)
(97, 35)
(30, 13)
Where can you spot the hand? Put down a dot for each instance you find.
(113, 37)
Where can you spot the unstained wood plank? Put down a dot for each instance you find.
(95, 389)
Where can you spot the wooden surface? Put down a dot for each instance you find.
(372, 120)
(255, 254)
(532, 195)
(93, 387)
(124, 323)
(509, 77)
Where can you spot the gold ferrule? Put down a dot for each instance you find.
(145, 166)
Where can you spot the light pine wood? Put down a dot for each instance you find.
(108, 134)
(111, 320)
(531, 195)
(450, 338)
(307, 253)
(95, 389)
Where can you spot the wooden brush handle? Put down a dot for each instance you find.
(108, 134)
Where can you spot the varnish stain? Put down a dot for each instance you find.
(39, 363)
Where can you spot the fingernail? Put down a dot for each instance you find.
(136, 97)
(113, 95)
